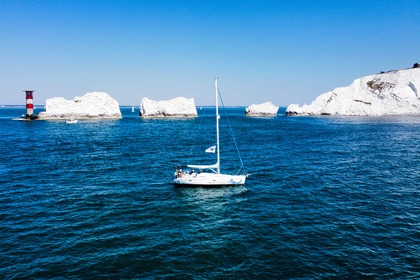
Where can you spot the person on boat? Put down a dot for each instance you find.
(192, 171)
(180, 173)
(177, 170)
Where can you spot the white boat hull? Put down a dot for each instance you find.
(210, 180)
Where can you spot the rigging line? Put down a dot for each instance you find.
(231, 131)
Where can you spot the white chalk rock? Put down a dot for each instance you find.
(390, 93)
(179, 107)
(93, 105)
(266, 109)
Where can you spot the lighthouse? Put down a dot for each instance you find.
(29, 104)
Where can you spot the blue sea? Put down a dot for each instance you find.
(327, 198)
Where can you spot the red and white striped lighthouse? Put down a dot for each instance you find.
(29, 104)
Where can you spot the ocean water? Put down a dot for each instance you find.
(327, 198)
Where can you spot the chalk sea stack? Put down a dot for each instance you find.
(266, 109)
(179, 107)
(93, 105)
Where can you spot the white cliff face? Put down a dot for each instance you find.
(96, 105)
(262, 110)
(391, 93)
(179, 107)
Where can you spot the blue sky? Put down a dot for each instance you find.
(280, 51)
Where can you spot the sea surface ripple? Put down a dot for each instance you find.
(328, 197)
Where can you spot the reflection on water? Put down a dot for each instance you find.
(198, 194)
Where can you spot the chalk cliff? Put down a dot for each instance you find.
(390, 93)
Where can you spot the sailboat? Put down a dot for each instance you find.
(209, 175)
(132, 109)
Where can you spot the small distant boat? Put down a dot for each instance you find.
(132, 109)
(209, 175)
(71, 121)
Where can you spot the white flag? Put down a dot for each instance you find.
(212, 149)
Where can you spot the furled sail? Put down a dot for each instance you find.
(204, 166)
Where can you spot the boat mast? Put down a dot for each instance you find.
(217, 127)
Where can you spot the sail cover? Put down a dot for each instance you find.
(203, 166)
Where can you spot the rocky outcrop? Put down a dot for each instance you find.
(93, 105)
(390, 93)
(179, 107)
(266, 109)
